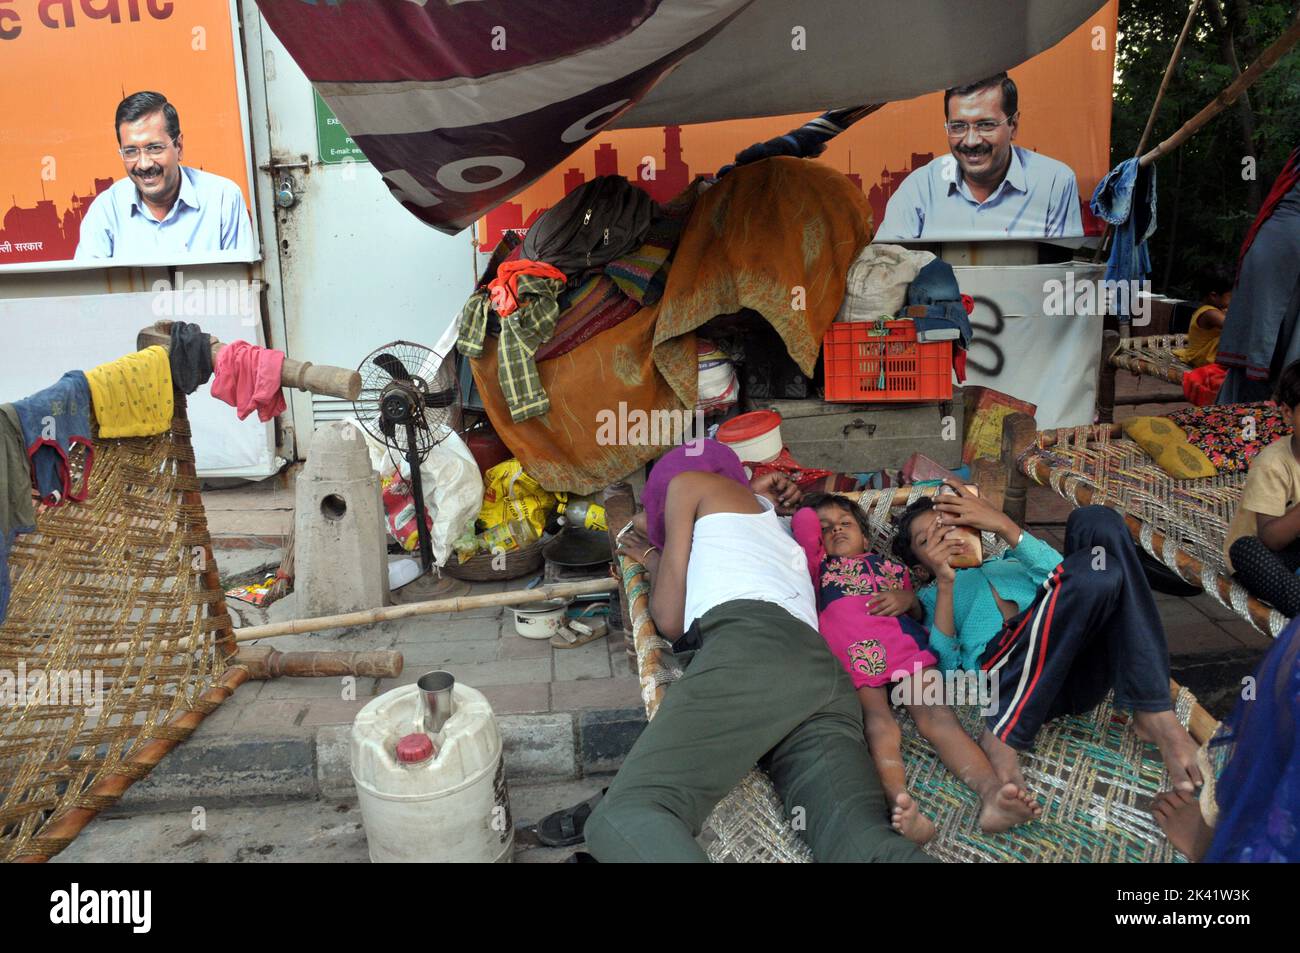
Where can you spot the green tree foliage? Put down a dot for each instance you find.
(1205, 203)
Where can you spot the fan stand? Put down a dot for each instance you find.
(401, 390)
(421, 510)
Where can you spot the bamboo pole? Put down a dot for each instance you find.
(1164, 82)
(514, 597)
(901, 494)
(1221, 102)
(1231, 94)
(1155, 107)
(317, 378)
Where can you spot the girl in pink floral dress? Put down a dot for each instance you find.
(870, 618)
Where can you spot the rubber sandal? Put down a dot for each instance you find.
(578, 633)
(565, 828)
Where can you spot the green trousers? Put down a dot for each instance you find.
(762, 689)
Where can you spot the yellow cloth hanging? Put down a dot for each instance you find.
(133, 395)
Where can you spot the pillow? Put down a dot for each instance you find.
(1167, 445)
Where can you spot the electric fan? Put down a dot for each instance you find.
(407, 392)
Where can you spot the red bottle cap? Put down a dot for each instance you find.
(414, 748)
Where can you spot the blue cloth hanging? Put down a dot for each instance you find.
(1126, 198)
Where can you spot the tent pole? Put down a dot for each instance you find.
(1155, 107)
(1164, 83)
(1231, 94)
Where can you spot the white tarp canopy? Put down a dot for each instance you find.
(852, 52)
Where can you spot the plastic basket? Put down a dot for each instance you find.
(882, 361)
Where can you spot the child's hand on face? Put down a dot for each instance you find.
(892, 602)
(938, 549)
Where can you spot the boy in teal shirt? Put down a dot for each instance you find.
(1054, 633)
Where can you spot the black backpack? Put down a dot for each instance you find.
(591, 226)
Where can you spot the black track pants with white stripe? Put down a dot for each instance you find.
(1093, 627)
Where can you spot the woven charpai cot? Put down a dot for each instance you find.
(1182, 523)
(1093, 776)
(1152, 356)
(102, 593)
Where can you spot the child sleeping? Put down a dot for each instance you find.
(869, 616)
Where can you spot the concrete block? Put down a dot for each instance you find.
(431, 655)
(332, 711)
(605, 737)
(538, 746)
(428, 630)
(517, 699)
(304, 688)
(228, 771)
(596, 693)
(340, 557)
(334, 761)
(268, 716)
(512, 645)
(586, 661)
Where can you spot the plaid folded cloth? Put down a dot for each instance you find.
(522, 333)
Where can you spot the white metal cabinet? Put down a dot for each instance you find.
(353, 269)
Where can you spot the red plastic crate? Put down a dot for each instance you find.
(855, 352)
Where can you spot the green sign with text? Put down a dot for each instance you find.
(332, 140)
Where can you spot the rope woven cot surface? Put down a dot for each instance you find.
(1094, 777)
(1152, 356)
(102, 592)
(1192, 515)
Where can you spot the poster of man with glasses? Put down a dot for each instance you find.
(986, 187)
(163, 210)
(147, 161)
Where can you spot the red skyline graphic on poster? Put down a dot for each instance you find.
(674, 175)
(670, 178)
(669, 181)
(42, 232)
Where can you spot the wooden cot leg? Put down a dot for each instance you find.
(1018, 432)
(264, 662)
(1106, 378)
(991, 477)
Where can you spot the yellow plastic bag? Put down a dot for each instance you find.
(511, 494)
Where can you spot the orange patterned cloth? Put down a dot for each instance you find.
(776, 236)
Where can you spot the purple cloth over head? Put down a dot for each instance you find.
(695, 456)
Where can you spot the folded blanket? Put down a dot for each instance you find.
(642, 274)
(596, 306)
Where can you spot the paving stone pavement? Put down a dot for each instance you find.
(315, 830)
(288, 737)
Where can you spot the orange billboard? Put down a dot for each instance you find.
(66, 190)
(1055, 149)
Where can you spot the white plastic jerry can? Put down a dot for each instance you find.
(432, 799)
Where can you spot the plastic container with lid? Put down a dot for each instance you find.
(439, 799)
(756, 436)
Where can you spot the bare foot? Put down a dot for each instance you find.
(1006, 807)
(1003, 757)
(1179, 816)
(908, 820)
(1177, 749)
